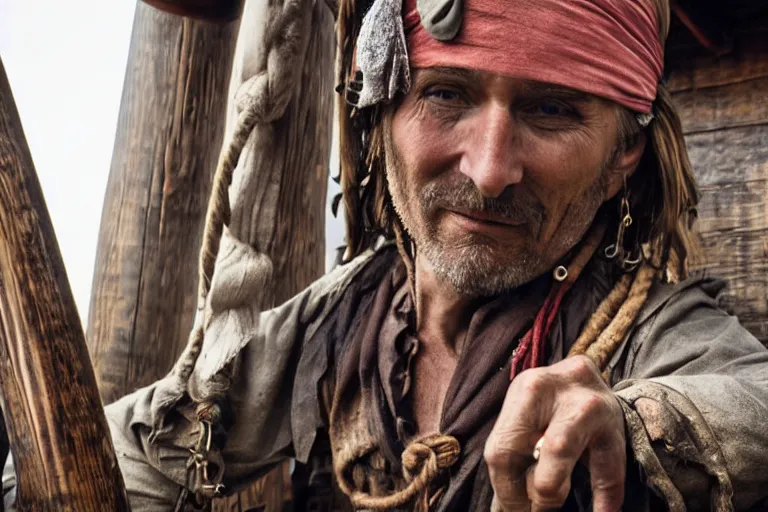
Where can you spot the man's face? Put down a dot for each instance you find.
(495, 178)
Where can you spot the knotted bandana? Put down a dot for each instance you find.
(609, 48)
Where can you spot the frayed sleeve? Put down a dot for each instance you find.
(694, 390)
(156, 467)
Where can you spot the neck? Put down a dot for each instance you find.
(442, 314)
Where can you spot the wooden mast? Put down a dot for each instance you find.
(144, 293)
(169, 134)
(57, 429)
(210, 10)
(288, 201)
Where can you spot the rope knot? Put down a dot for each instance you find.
(423, 459)
(208, 411)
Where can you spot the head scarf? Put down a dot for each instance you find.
(609, 48)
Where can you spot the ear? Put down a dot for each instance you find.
(624, 165)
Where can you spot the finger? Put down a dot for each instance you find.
(549, 481)
(538, 505)
(509, 449)
(575, 423)
(508, 455)
(607, 464)
(509, 495)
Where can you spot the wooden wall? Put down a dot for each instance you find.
(723, 103)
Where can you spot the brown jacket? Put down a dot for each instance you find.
(702, 441)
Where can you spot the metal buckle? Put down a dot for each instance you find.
(202, 457)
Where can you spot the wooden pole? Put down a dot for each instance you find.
(58, 432)
(211, 10)
(286, 196)
(169, 134)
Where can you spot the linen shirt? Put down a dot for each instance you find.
(707, 449)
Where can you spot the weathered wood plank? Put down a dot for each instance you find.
(728, 106)
(732, 168)
(170, 129)
(58, 432)
(286, 165)
(747, 62)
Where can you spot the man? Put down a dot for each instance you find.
(532, 174)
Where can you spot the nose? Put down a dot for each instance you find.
(491, 156)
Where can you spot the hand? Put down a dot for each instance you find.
(579, 417)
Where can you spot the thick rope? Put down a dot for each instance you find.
(600, 319)
(609, 340)
(422, 461)
(261, 99)
(609, 325)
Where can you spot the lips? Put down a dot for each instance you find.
(486, 217)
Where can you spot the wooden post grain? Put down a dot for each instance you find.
(169, 134)
(58, 432)
(284, 200)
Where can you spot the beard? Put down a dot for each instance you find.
(474, 264)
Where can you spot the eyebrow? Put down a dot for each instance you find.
(457, 73)
(557, 91)
(531, 88)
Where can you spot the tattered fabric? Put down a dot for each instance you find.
(609, 48)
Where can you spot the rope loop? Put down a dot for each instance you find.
(422, 460)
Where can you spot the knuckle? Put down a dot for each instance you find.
(559, 445)
(549, 492)
(501, 456)
(582, 369)
(532, 382)
(609, 493)
(495, 454)
(594, 404)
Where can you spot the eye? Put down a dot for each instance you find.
(442, 94)
(552, 109)
(551, 114)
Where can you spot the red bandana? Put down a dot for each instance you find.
(609, 48)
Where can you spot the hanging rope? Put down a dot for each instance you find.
(262, 99)
(422, 462)
(610, 324)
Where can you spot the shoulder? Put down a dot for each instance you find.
(683, 328)
(697, 292)
(365, 270)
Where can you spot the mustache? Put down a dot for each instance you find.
(465, 195)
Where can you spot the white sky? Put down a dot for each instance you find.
(66, 61)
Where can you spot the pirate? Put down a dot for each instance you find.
(514, 327)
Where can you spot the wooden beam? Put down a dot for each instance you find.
(283, 175)
(57, 429)
(210, 10)
(170, 130)
(705, 21)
